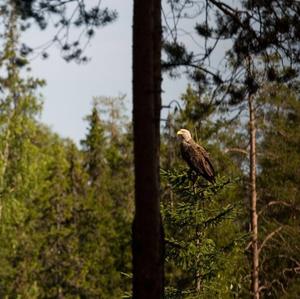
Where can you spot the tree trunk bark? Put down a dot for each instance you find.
(253, 200)
(147, 241)
(198, 272)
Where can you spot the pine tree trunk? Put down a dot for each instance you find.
(254, 228)
(147, 227)
(198, 273)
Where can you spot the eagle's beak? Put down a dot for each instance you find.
(179, 132)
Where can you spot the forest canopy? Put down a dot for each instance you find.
(121, 215)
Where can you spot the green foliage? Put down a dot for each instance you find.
(200, 237)
(107, 149)
(65, 223)
(66, 212)
(279, 191)
(215, 202)
(94, 148)
(19, 168)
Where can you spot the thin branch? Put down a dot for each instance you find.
(235, 149)
(268, 237)
(295, 270)
(278, 202)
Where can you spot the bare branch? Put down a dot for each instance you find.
(295, 270)
(268, 237)
(236, 149)
(278, 202)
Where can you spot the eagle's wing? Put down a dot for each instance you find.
(198, 159)
(206, 161)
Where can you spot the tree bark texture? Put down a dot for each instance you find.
(253, 201)
(198, 272)
(147, 244)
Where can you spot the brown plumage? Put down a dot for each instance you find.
(196, 156)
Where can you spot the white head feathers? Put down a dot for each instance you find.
(184, 134)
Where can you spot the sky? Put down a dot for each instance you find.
(71, 87)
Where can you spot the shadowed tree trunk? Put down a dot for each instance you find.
(147, 226)
(253, 200)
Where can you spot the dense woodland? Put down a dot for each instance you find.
(67, 210)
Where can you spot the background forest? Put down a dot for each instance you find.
(66, 210)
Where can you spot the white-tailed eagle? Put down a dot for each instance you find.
(196, 156)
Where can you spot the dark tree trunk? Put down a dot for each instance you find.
(148, 242)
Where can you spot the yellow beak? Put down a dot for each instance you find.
(179, 132)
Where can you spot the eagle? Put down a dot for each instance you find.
(196, 156)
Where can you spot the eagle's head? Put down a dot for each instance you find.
(184, 134)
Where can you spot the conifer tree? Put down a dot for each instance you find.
(19, 166)
(202, 262)
(278, 183)
(116, 178)
(94, 148)
(54, 227)
(198, 114)
(98, 236)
